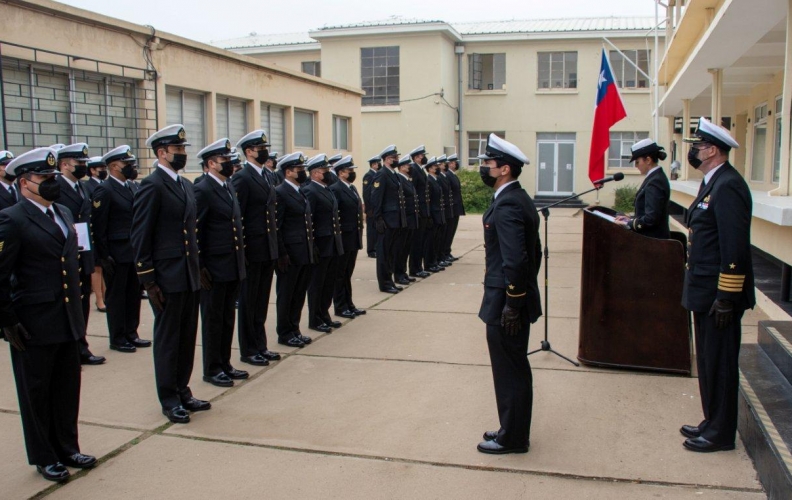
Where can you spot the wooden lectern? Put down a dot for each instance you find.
(631, 314)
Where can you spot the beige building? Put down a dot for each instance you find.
(449, 85)
(732, 61)
(85, 77)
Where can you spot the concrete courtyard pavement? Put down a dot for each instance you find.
(392, 405)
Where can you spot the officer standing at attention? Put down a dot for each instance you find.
(328, 246)
(41, 316)
(97, 173)
(511, 300)
(434, 227)
(271, 164)
(296, 252)
(222, 262)
(350, 210)
(418, 267)
(368, 183)
(387, 207)
(458, 207)
(448, 210)
(411, 209)
(255, 191)
(163, 236)
(112, 222)
(73, 166)
(8, 192)
(719, 283)
(651, 201)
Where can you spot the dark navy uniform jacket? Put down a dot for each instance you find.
(350, 211)
(368, 183)
(436, 200)
(80, 210)
(327, 225)
(456, 193)
(112, 221)
(387, 199)
(219, 225)
(419, 178)
(295, 225)
(651, 206)
(258, 206)
(719, 244)
(410, 201)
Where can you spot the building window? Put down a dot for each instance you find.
(231, 118)
(312, 68)
(557, 70)
(187, 108)
(777, 153)
(303, 129)
(759, 143)
(340, 133)
(273, 122)
(620, 150)
(624, 71)
(486, 71)
(379, 71)
(477, 144)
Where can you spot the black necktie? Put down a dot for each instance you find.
(352, 187)
(225, 186)
(79, 191)
(51, 215)
(14, 194)
(702, 186)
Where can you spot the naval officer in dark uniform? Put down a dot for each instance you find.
(222, 261)
(511, 294)
(436, 224)
(719, 284)
(163, 236)
(41, 316)
(368, 182)
(97, 173)
(418, 267)
(296, 253)
(448, 210)
(255, 191)
(651, 201)
(411, 210)
(73, 165)
(112, 222)
(9, 195)
(350, 211)
(452, 166)
(387, 208)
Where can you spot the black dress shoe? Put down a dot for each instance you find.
(690, 431)
(256, 359)
(347, 314)
(358, 312)
(80, 461)
(322, 328)
(372, 255)
(292, 342)
(220, 380)
(452, 258)
(403, 281)
(444, 263)
(435, 269)
(493, 448)
(270, 356)
(101, 309)
(421, 274)
(194, 404)
(302, 338)
(140, 342)
(56, 472)
(398, 288)
(411, 280)
(90, 359)
(334, 324)
(490, 435)
(389, 289)
(702, 445)
(127, 347)
(177, 415)
(235, 374)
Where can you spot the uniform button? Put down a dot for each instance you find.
(188, 254)
(64, 273)
(235, 238)
(185, 231)
(63, 259)
(67, 299)
(186, 242)
(65, 286)
(81, 283)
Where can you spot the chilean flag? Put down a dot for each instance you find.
(609, 111)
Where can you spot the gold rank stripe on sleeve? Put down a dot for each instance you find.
(516, 296)
(145, 272)
(731, 282)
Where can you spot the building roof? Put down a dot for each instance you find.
(265, 40)
(557, 25)
(391, 21)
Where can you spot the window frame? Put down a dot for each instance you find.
(228, 100)
(493, 79)
(391, 73)
(624, 155)
(569, 80)
(337, 146)
(193, 164)
(316, 68)
(482, 145)
(759, 123)
(313, 128)
(776, 177)
(619, 69)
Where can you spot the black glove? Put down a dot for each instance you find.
(510, 320)
(316, 254)
(206, 279)
(429, 223)
(381, 225)
(16, 336)
(155, 295)
(283, 263)
(723, 311)
(108, 267)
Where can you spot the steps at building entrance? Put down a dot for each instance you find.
(542, 201)
(765, 422)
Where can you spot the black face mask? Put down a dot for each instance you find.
(9, 177)
(135, 174)
(102, 175)
(129, 171)
(351, 177)
(49, 189)
(227, 169)
(302, 176)
(693, 158)
(486, 178)
(327, 178)
(423, 160)
(178, 162)
(80, 171)
(262, 157)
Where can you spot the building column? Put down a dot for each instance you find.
(685, 170)
(784, 177)
(717, 93)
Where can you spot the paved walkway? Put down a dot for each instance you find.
(391, 405)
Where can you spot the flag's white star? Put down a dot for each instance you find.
(602, 79)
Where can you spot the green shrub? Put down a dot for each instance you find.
(476, 195)
(625, 198)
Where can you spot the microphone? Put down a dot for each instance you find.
(615, 177)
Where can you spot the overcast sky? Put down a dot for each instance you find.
(207, 20)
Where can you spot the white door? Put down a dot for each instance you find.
(555, 171)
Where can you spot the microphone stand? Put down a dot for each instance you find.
(545, 345)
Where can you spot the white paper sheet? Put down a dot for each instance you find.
(603, 215)
(83, 236)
